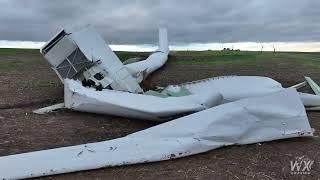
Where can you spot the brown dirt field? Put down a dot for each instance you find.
(31, 84)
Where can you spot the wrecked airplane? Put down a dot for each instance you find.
(207, 114)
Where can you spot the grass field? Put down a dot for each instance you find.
(28, 83)
(197, 57)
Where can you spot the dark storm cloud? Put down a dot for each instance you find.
(136, 22)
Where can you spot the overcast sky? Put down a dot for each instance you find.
(188, 21)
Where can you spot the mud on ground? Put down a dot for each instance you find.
(27, 83)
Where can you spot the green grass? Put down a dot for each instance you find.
(234, 57)
(10, 65)
(217, 57)
(230, 57)
(188, 57)
(11, 51)
(15, 59)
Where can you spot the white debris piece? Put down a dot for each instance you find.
(275, 116)
(154, 61)
(310, 99)
(234, 88)
(132, 105)
(49, 109)
(205, 94)
(300, 85)
(73, 52)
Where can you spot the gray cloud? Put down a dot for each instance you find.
(136, 22)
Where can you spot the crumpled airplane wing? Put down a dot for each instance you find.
(241, 122)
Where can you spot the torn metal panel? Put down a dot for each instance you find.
(234, 88)
(204, 94)
(49, 109)
(313, 85)
(132, 105)
(161, 106)
(281, 116)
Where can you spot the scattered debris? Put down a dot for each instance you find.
(208, 114)
(196, 133)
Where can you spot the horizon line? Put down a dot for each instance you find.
(243, 46)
